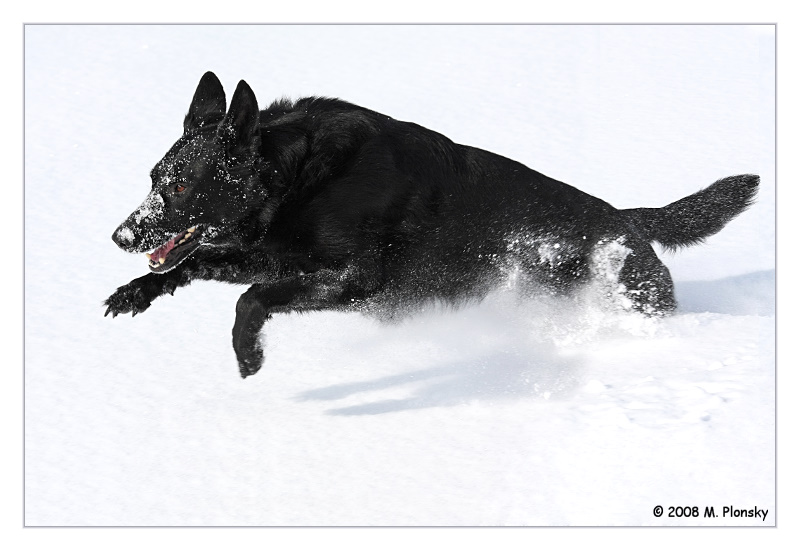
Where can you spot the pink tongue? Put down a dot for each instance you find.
(163, 250)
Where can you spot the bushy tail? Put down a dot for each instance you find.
(690, 220)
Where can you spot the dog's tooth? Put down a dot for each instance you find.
(190, 230)
(182, 241)
(161, 260)
(147, 255)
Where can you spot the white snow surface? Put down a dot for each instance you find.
(512, 412)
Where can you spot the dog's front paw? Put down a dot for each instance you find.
(250, 318)
(128, 298)
(250, 361)
(247, 345)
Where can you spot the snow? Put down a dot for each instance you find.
(512, 412)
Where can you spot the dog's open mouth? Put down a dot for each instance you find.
(174, 251)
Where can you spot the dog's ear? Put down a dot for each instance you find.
(239, 130)
(208, 103)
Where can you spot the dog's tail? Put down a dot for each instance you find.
(690, 220)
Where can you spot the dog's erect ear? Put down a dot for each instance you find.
(208, 103)
(239, 130)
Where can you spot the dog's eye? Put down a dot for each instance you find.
(179, 188)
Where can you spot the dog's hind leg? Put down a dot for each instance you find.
(647, 282)
(631, 276)
(322, 290)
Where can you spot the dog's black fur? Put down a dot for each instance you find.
(320, 204)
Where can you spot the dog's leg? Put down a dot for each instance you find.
(321, 290)
(137, 295)
(647, 282)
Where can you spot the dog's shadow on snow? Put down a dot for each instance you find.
(496, 377)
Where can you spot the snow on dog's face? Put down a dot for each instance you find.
(206, 183)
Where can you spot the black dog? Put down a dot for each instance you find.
(321, 204)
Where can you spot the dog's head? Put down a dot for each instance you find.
(205, 185)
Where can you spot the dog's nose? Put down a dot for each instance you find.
(123, 237)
